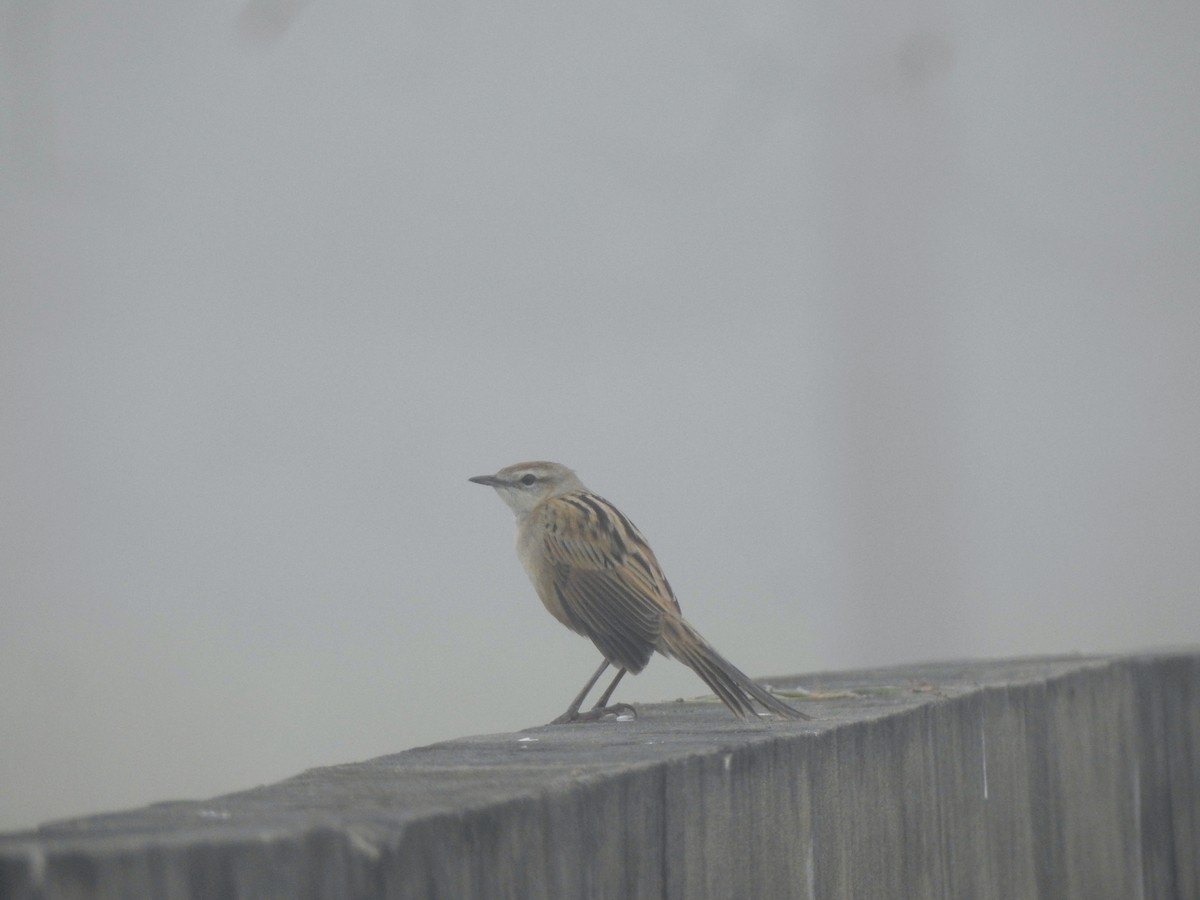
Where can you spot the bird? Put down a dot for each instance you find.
(594, 572)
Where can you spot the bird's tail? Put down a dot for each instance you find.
(735, 688)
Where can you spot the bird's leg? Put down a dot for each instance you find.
(574, 715)
(572, 712)
(602, 703)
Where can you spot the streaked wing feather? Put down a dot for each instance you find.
(608, 599)
(624, 640)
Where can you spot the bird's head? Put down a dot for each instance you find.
(524, 485)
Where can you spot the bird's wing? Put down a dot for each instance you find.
(605, 577)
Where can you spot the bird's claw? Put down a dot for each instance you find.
(595, 714)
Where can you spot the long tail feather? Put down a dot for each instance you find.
(734, 687)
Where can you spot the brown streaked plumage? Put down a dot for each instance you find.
(596, 574)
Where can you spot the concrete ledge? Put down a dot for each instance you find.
(1058, 778)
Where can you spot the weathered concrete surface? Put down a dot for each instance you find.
(1056, 778)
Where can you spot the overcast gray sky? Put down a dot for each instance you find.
(881, 323)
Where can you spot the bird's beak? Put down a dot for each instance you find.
(489, 480)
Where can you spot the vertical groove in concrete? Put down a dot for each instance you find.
(1165, 779)
(1054, 778)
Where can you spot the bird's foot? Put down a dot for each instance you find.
(618, 710)
(595, 714)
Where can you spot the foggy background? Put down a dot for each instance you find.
(881, 322)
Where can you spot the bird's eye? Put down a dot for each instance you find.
(528, 479)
